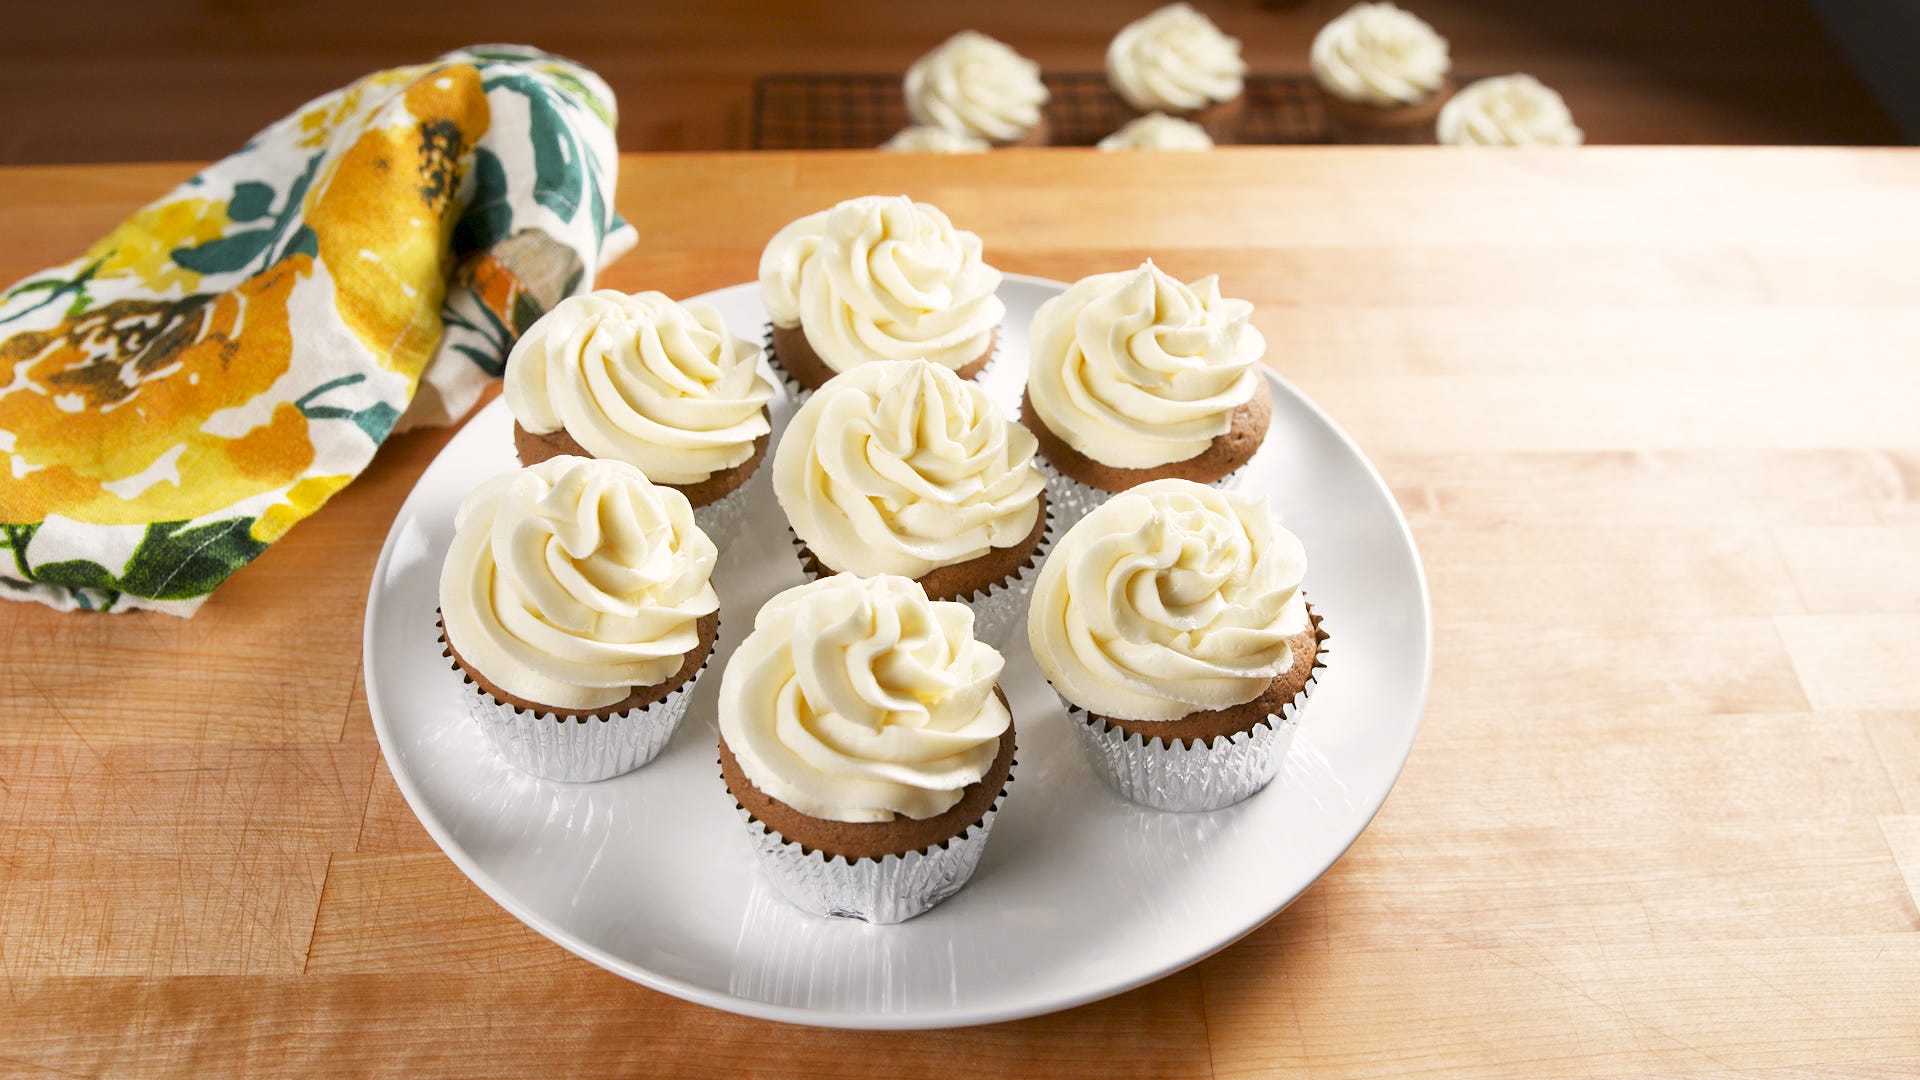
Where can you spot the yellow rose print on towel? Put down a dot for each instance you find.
(137, 379)
(387, 267)
(142, 246)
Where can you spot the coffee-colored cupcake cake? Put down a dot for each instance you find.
(1137, 376)
(1171, 622)
(877, 278)
(908, 469)
(642, 379)
(971, 84)
(577, 603)
(1383, 75)
(1176, 61)
(866, 742)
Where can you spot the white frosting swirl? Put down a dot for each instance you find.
(1158, 131)
(1169, 599)
(643, 380)
(571, 582)
(1175, 60)
(1377, 54)
(975, 85)
(882, 278)
(921, 139)
(1136, 370)
(1512, 110)
(905, 468)
(857, 699)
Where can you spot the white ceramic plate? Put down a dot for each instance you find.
(1080, 894)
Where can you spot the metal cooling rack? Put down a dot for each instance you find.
(837, 112)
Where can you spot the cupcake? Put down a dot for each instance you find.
(866, 745)
(641, 379)
(877, 278)
(1136, 376)
(1175, 61)
(973, 85)
(920, 139)
(1513, 110)
(1158, 131)
(1382, 75)
(1171, 623)
(908, 469)
(576, 602)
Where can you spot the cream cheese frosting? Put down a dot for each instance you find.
(1135, 369)
(921, 139)
(905, 468)
(859, 699)
(975, 85)
(1158, 131)
(882, 278)
(1512, 110)
(1175, 60)
(1169, 599)
(1378, 54)
(644, 380)
(571, 582)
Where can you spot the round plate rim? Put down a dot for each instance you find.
(854, 1019)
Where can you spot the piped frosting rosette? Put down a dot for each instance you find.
(908, 469)
(882, 278)
(972, 84)
(1512, 110)
(1377, 54)
(1170, 601)
(574, 585)
(1175, 60)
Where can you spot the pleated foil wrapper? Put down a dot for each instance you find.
(1188, 776)
(576, 750)
(722, 519)
(1076, 499)
(890, 889)
(998, 610)
(800, 392)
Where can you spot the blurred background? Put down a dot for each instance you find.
(121, 81)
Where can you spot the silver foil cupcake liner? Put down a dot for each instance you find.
(799, 392)
(1077, 499)
(1188, 775)
(722, 519)
(999, 609)
(575, 749)
(890, 889)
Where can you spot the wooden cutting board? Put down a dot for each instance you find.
(1654, 416)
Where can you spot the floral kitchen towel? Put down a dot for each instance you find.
(214, 369)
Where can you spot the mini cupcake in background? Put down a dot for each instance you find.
(971, 84)
(867, 745)
(877, 278)
(1176, 61)
(921, 139)
(907, 469)
(1137, 376)
(1171, 623)
(644, 380)
(1383, 74)
(1158, 131)
(577, 602)
(1512, 110)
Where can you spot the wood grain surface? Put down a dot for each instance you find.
(1654, 416)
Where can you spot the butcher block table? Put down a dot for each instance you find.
(1654, 416)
